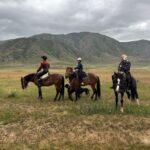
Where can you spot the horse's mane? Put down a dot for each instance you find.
(69, 68)
(30, 76)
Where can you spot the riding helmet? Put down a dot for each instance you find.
(79, 59)
(44, 57)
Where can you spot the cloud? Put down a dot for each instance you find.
(121, 19)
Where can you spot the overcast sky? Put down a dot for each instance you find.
(123, 20)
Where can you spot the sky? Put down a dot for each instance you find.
(124, 20)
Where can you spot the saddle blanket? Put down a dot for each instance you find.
(45, 76)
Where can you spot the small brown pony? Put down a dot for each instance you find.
(52, 79)
(91, 79)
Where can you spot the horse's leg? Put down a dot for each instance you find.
(57, 92)
(77, 95)
(128, 94)
(61, 86)
(116, 96)
(95, 94)
(56, 95)
(40, 92)
(93, 88)
(60, 95)
(70, 94)
(137, 97)
(122, 94)
(86, 91)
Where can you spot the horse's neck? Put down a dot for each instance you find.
(30, 77)
(72, 76)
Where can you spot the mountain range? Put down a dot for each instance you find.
(94, 48)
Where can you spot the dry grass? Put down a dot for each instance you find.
(26, 123)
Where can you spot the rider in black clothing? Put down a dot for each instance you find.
(124, 66)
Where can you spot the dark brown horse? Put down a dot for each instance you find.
(76, 88)
(52, 79)
(91, 79)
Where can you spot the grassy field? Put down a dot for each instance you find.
(26, 123)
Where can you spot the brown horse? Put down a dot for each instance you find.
(52, 79)
(91, 80)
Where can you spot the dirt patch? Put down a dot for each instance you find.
(145, 137)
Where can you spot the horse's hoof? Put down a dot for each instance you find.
(137, 101)
(39, 98)
(122, 111)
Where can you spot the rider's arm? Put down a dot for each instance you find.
(39, 68)
(77, 66)
(128, 65)
(120, 66)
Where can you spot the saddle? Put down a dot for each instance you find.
(82, 75)
(45, 76)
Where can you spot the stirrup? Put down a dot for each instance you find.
(111, 87)
(82, 84)
(39, 82)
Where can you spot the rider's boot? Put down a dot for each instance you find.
(112, 87)
(39, 82)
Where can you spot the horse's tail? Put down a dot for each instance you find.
(134, 93)
(98, 87)
(62, 86)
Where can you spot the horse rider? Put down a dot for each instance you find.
(79, 69)
(43, 69)
(124, 66)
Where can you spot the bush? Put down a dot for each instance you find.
(12, 94)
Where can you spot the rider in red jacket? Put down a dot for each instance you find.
(43, 69)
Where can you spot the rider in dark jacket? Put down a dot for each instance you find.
(43, 69)
(124, 66)
(79, 69)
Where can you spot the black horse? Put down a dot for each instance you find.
(120, 86)
(78, 92)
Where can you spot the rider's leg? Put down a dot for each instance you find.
(113, 78)
(80, 77)
(128, 77)
(39, 75)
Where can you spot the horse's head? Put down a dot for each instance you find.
(119, 81)
(69, 72)
(25, 80)
(24, 83)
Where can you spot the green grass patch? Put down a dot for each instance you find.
(7, 116)
(109, 109)
(12, 94)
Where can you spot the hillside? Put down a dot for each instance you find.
(92, 47)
